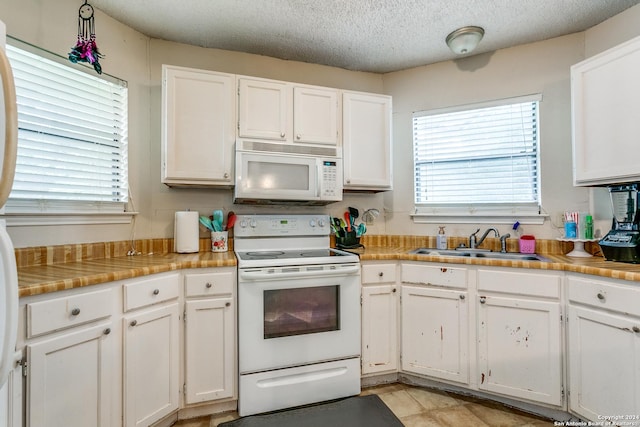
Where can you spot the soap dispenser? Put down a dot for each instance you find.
(441, 240)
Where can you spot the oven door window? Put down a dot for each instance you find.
(301, 311)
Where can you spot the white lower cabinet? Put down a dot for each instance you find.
(604, 348)
(210, 338)
(520, 335)
(379, 318)
(151, 353)
(435, 322)
(70, 379)
(70, 357)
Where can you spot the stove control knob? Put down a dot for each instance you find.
(244, 223)
(321, 223)
(312, 222)
(253, 223)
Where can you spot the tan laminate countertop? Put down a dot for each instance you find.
(36, 280)
(58, 277)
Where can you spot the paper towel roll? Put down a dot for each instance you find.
(186, 232)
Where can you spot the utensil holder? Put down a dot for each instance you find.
(348, 241)
(219, 241)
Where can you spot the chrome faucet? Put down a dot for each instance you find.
(472, 239)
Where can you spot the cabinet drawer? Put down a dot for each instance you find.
(441, 275)
(207, 284)
(65, 312)
(520, 283)
(605, 295)
(152, 290)
(378, 273)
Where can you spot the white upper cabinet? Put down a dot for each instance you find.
(198, 127)
(604, 93)
(281, 111)
(366, 122)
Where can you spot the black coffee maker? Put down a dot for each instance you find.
(622, 243)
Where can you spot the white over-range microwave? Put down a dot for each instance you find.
(271, 173)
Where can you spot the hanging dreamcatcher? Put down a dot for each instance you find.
(85, 49)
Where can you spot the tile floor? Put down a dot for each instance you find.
(418, 407)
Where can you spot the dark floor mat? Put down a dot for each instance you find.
(359, 411)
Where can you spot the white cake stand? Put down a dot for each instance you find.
(578, 247)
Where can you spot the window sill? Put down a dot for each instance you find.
(46, 219)
(531, 219)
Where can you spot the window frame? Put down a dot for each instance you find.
(480, 213)
(32, 212)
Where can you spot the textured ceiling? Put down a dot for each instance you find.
(365, 35)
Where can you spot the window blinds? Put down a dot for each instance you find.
(486, 155)
(72, 136)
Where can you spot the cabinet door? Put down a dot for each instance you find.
(210, 368)
(70, 379)
(151, 366)
(366, 124)
(11, 399)
(435, 337)
(198, 129)
(264, 109)
(519, 348)
(315, 115)
(379, 329)
(604, 364)
(604, 96)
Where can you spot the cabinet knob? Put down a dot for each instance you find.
(394, 290)
(348, 181)
(636, 329)
(75, 311)
(226, 175)
(208, 285)
(380, 274)
(227, 304)
(463, 297)
(282, 134)
(444, 270)
(107, 331)
(600, 296)
(483, 300)
(156, 291)
(133, 323)
(298, 136)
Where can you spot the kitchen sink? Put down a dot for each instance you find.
(440, 252)
(479, 254)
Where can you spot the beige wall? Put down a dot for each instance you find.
(535, 68)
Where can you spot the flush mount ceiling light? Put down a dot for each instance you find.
(464, 40)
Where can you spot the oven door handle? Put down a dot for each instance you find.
(259, 275)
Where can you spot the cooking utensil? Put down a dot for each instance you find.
(231, 220)
(218, 217)
(361, 229)
(204, 220)
(354, 212)
(347, 219)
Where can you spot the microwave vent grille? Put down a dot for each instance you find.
(271, 147)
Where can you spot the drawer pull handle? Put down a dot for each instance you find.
(75, 311)
(208, 285)
(380, 274)
(600, 296)
(227, 304)
(462, 297)
(107, 331)
(133, 323)
(636, 329)
(156, 291)
(483, 300)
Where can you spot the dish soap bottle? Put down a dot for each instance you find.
(441, 239)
